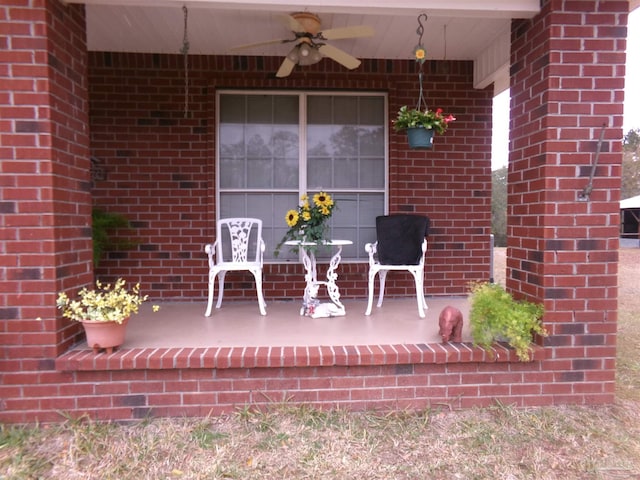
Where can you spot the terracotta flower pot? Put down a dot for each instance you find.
(105, 335)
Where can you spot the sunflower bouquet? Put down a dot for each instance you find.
(307, 222)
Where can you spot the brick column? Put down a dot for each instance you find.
(45, 201)
(567, 80)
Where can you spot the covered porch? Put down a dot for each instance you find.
(239, 324)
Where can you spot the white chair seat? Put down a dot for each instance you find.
(238, 246)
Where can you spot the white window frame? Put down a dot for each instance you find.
(303, 96)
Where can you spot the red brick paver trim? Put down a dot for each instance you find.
(276, 357)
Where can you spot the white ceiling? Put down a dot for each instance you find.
(457, 30)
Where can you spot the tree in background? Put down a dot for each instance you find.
(499, 206)
(631, 164)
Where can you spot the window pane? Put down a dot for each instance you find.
(372, 173)
(371, 140)
(319, 174)
(345, 173)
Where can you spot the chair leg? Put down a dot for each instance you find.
(212, 280)
(417, 276)
(261, 303)
(220, 287)
(383, 282)
(424, 300)
(372, 278)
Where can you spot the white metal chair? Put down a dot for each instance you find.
(238, 246)
(401, 246)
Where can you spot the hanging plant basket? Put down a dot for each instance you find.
(420, 138)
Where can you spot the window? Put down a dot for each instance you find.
(272, 147)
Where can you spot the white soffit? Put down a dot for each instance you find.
(492, 64)
(480, 8)
(455, 30)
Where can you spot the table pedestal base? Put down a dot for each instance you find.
(311, 307)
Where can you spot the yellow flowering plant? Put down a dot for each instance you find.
(307, 222)
(105, 303)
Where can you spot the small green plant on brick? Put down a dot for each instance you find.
(496, 316)
(103, 225)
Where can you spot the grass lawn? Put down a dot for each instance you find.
(289, 442)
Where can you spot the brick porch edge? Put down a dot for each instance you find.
(283, 357)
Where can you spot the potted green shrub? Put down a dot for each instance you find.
(103, 312)
(421, 125)
(496, 316)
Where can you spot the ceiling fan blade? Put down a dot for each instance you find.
(347, 32)
(285, 68)
(293, 24)
(343, 58)
(260, 44)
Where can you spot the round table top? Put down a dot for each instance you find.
(331, 242)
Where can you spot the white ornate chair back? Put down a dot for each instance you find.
(238, 246)
(239, 240)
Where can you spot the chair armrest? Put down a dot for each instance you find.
(210, 250)
(424, 251)
(371, 249)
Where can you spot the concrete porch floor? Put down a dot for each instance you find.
(239, 324)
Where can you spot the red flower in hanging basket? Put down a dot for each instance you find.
(429, 119)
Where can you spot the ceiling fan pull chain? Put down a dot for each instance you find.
(185, 53)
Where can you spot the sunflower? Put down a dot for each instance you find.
(323, 199)
(308, 223)
(292, 218)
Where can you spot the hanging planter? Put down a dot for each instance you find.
(420, 138)
(421, 123)
(421, 126)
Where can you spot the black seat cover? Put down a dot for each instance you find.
(400, 238)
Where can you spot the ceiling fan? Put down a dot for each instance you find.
(310, 46)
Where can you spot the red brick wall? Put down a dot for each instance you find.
(160, 167)
(44, 190)
(567, 83)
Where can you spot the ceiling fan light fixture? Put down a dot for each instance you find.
(294, 55)
(308, 54)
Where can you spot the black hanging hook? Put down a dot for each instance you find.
(420, 29)
(422, 102)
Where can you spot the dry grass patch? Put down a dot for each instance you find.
(287, 442)
(628, 367)
(297, 442)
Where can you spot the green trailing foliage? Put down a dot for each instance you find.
(496, 316)
(103, 225)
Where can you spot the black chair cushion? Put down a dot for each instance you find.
(400, 238)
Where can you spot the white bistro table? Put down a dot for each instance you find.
(310, 305)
